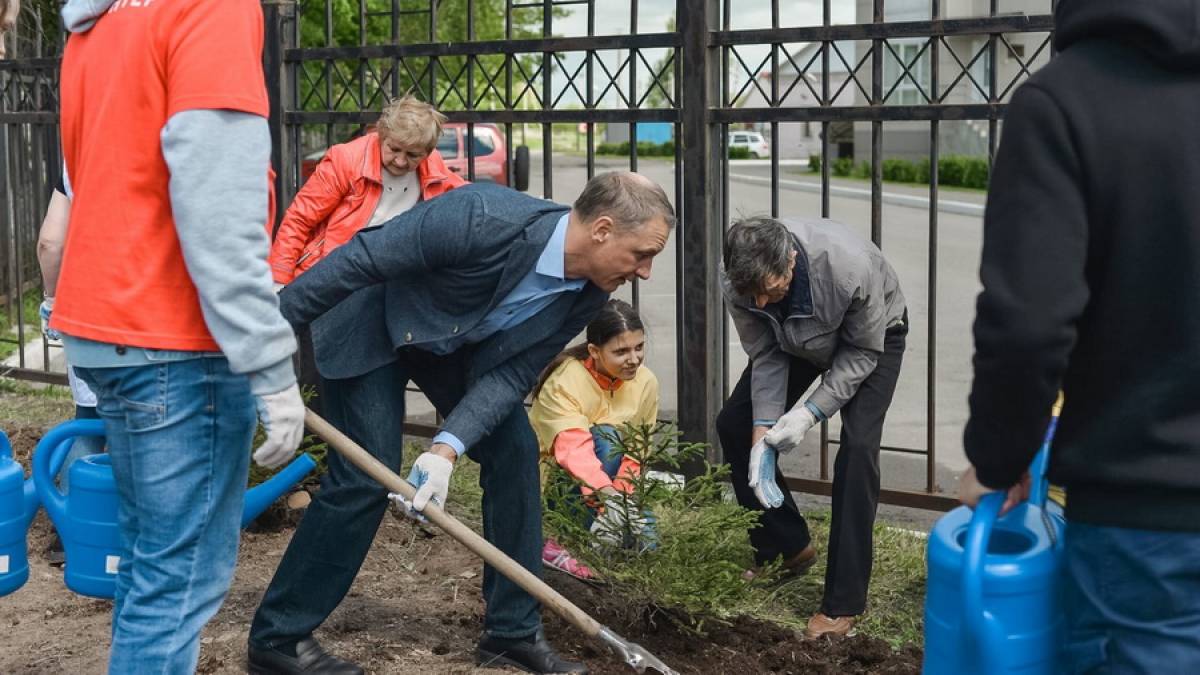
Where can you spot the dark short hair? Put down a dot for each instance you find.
(631, 200)
(615, 317)
(756, 248)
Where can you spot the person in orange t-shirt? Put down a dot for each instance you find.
(164, 300)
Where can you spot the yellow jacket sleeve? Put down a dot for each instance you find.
(558, 407)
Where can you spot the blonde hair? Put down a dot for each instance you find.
(411, 122)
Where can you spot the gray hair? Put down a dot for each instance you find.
(412, 123)
(756, 248)
(631, 200)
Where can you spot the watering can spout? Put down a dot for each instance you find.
(262, 495)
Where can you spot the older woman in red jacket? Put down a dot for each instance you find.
(364, 182)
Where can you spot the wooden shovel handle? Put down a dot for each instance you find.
(461, 533)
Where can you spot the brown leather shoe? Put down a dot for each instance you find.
(820, 626)
(792, 567)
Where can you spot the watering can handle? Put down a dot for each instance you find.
(54, 445)
(5, 445)
(982, 629)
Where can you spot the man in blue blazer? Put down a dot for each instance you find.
(469, 296)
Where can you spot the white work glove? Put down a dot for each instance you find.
(403, 508)
(762, 475)
(282, 418)
(44, 311)
(620, 523)
(430, 474)
(789, 431)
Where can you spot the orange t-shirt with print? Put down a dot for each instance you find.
(123, 279)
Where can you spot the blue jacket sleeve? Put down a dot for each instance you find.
(492, 397)
(432, 235)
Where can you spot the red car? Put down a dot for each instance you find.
(491, 157)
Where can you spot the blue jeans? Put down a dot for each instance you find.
(179, 435)
(338, 527)
(1132, 600)
(80, 447)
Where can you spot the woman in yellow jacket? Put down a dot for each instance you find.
(586, 395)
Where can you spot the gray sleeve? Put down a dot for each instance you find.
(860, 343)
(769, 377)
(218, 161)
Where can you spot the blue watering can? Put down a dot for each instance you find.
(18, 504)
(992, 602)
(86, 519)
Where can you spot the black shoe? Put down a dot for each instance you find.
(310, 658)
(55, 555)
(532, 654)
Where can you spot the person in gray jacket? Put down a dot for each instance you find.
(811, 298)
(468, 295)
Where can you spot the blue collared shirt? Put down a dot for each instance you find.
(540, 287)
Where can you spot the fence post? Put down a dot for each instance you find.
(700, 310)
(275, 15)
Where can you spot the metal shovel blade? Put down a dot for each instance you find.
(634, 654)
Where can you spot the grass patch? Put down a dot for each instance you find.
(21, 388)
(31, 300)
(688, 566)
(465, 498)
(895, 603)
(691, 543)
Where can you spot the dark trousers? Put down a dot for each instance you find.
(337, 530)
(1130, 600)
(306, 370)
(783, 531)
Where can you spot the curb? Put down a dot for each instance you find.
(910, 201)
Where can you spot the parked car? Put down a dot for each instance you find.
(752, 141)
(491, 157)
(489, 149)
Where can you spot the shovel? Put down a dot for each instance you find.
(634, 654)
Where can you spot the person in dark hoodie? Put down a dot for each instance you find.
(1091, 282)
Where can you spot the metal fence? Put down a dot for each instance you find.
(855, 84)
(29, 143)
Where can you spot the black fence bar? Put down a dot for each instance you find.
(1015, 23)
(865, 113)
(910, 499)
(700, 350)
(487, 47)
(932, 279)
(497, 116)
(34, 375)
(274, 40)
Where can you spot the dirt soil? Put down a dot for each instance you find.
(415, 608)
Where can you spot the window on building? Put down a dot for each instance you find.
(906, 91)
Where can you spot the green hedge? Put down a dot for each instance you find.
(959, 170)
(665, 149)
(644, 148)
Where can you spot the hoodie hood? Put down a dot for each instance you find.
(80, 15)
(1166, 30)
